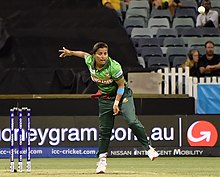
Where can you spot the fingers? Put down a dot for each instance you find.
(116, 111)
(115, 114)
(62, 55)
(62, 52)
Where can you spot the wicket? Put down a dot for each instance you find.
(20, 112)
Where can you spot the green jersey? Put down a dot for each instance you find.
(106, 77)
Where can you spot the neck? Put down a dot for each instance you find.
(98, 67)
(209, 57)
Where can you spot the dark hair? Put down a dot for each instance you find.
(97, 46)
(210, 43)
(208, 1)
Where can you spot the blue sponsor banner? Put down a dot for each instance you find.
(54, 152)
(208, 99)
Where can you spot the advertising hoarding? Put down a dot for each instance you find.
(77, 136)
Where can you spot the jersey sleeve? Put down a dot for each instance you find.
(88, 59)
(116, 72)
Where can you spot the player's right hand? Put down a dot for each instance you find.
(115, 110)
(65, 52)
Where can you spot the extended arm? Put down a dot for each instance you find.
(67, 52)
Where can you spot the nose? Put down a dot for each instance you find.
(103, 56)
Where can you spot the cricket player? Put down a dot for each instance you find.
(114, 97)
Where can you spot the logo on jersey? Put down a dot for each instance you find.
(108, 81)
(202, 133)
(107, 74)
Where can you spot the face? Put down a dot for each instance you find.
(195, 56)
(101, 56)
(207, 5)
(209, 49)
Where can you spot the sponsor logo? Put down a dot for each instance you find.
(108, 81)
(121, 153)
(61, 152)
(107, 74)
(163, 152)
(202, 133)
(161, 134)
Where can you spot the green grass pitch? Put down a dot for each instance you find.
(120, 167)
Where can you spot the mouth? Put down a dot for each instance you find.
(102, 60)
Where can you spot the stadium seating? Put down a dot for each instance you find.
(183, 22)
(149, 42)
(185, 13)
(161, 13)
(158, 62)
(217, 50)
(139, 5)
(158, 23)
(131, 23)
(171, 32)
(189, 4)
(143, 32)
(214, 32)
(135, 41)
(170, 37)
(200, 41)
(137, 13)
(147, 52)
(173, 42)
(190, 32)
(201, 49)
(178, 61)
(172, 52)
(215, 4)
(196, 41)
(134, 22)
